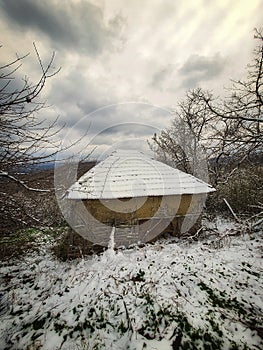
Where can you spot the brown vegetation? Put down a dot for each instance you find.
(21, 207)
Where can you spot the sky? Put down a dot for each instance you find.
(126, 64)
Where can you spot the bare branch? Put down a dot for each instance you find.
(11, 177)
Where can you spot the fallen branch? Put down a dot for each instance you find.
(231, 210)
(221, 239)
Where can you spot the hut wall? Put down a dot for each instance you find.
(132, 211)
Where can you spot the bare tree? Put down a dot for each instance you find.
(230, 130)
(185, 143)
(24, 138)
(242, 111)
(245, 102)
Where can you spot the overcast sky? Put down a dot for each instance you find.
(138, 57)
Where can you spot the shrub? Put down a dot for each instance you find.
(243, 191)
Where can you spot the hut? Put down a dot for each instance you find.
(130, 189)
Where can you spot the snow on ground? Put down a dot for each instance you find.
(173, 294)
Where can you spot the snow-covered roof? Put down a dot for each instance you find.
(125, 174)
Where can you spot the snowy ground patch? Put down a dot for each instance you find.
(169, 295)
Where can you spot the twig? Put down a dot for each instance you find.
(196, 234)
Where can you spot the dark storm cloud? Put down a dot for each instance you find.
(67, 24)
(201, 68)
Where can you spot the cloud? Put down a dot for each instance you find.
(121, 126)
(199, 69)
(70, 25)
(161, 75)
(169, 47)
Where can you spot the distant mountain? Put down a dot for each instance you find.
(50, 166)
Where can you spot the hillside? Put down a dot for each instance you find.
(174, 294)
(35, 208)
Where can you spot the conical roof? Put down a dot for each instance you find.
(125, 174)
